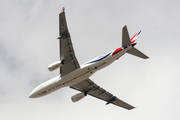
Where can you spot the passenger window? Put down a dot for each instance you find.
(44, 92)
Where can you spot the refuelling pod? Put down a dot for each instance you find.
(55, 65)
(78, 97)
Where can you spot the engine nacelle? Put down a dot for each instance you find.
(55, 65)
(78, 97)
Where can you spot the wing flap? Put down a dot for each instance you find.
(89, 87)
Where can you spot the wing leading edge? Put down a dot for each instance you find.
(89, 87)
(67, 55)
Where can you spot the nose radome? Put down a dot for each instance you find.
(33, 95)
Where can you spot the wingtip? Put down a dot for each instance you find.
(146, 57)
(63, 9)
(132, 108)
(125, 26)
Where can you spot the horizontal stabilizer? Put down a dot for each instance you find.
(137, 53)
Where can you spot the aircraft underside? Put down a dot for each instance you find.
(76, 76)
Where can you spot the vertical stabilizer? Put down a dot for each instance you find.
(125, 37)
(133, 39)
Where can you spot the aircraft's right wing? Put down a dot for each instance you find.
(67, 54)
(89, 87)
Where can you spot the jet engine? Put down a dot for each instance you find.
(78, 97)
(55, 65)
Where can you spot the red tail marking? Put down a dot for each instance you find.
(117, 50)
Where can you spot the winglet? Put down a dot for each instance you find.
(63, 9)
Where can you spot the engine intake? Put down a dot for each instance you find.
(78, 97)
(55, 65)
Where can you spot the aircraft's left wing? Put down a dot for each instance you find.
(67, 55)
(89, 87)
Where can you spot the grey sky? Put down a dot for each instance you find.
(28, 44)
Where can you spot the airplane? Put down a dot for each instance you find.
(77, 76)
